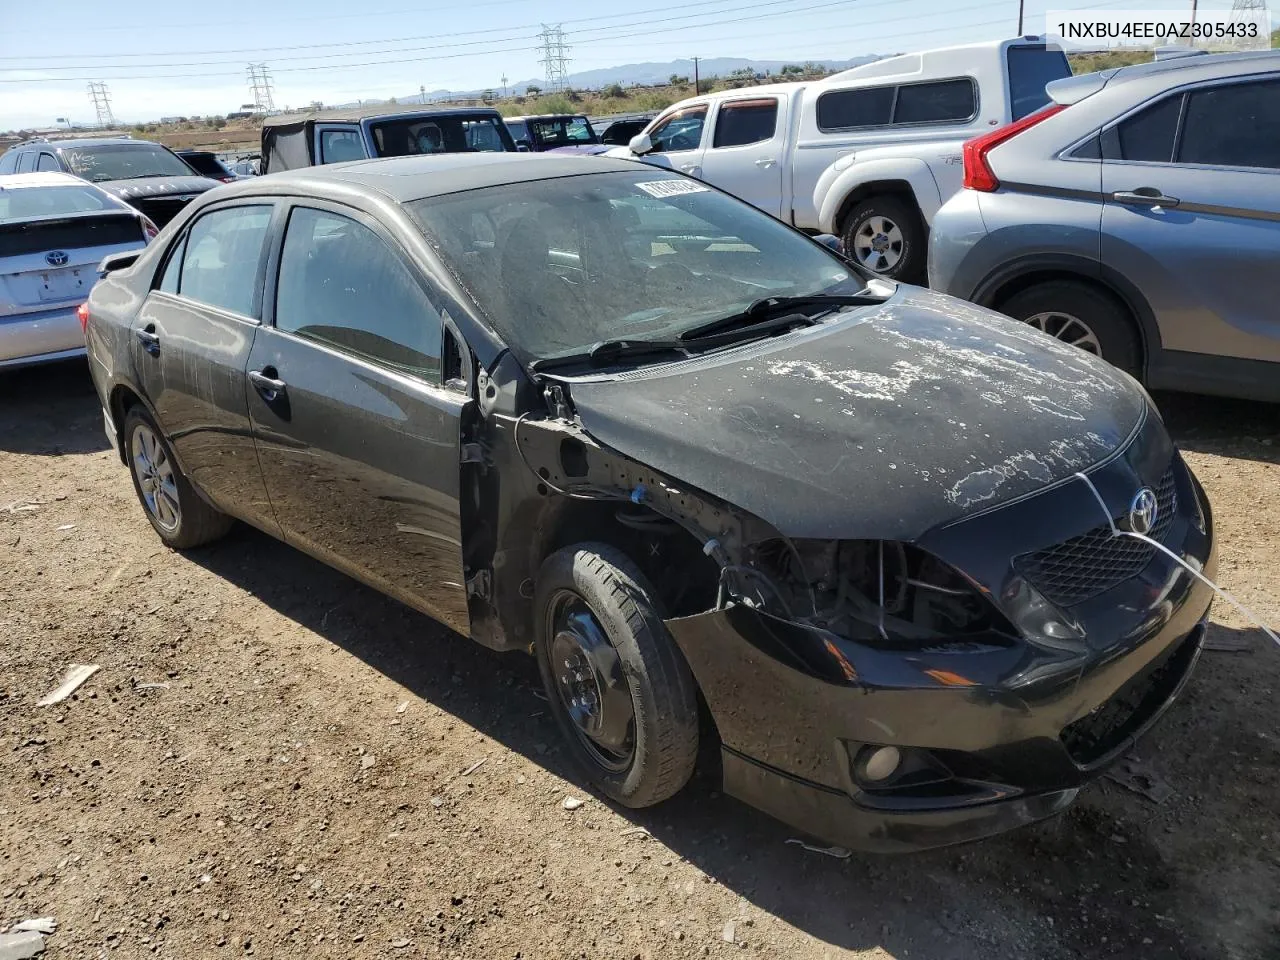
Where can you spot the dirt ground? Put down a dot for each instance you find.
(276, 761)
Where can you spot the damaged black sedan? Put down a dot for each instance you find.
(870, 540)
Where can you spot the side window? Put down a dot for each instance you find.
(26, 163)
(1148, 135)
(173, 267)
(9, 162)
(946, 100)
(339, 146)
(220, 262)
(1233, 126)
(48, 162)
(841, 109)
(680, 131)
(746, 121)
(342, 285)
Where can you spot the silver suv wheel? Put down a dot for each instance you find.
(1069, 329)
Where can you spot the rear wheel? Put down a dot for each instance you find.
(885, 235)
(1080, 315)
(619, 688)
(175, 510)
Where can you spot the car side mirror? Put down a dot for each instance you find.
(117, 261)
(831, 242)
(640, 144)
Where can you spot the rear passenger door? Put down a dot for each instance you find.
(1191, 186)
(745, 154)
(191, 344)
(357, 435)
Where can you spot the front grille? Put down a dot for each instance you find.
(161, 209)
(74, 233)
(1133, 706)
(1085, 566)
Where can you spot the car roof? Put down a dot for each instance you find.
(1209, 64)
(413, 178)
(371, 112)
(544, 116)
(88, 142)
(46, 178)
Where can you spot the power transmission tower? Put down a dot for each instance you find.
(260, 86)
(555, 56)
(504, 84)
(1250, 11)
(101, 100)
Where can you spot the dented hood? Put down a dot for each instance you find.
(883, 423)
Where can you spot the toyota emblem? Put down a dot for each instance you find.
(56, 258)
(1143, 510)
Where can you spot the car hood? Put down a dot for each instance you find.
(884, 423)
(586, 149)
(143, 187)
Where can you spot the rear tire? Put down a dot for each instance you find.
(1083, 315)
(176, 512)
(601, 641)
(886, 235)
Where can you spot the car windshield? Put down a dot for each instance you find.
(411, 136)
(559, 265)
(25, 203)
(121, 161)
(563, 131)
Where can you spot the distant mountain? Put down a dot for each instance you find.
(646, 74)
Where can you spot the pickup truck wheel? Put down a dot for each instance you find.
(887, 237)
(1083, 316)
(618, 685)
(175, 510)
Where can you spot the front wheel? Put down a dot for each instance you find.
(175, 510)
(619, 688)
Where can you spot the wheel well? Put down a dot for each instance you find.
(685, 578)
(999, 295)
(122, 399)
(876, 188)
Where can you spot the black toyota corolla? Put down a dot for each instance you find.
(716, 479)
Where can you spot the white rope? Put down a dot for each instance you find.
(1117, 532)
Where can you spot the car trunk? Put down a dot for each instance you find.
(46, 263)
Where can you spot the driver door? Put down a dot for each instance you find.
(678, 140)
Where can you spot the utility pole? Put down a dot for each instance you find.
(101, 100)
(1022, 9)
(504, 84)
(260, 86)
(1194, 4)
(422, 93)
(696, 87)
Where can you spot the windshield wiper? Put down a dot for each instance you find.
(607, 352)
(770, 307)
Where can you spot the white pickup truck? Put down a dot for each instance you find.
(869, 154)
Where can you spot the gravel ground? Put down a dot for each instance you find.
(276, 761)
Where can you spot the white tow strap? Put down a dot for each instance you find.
(1117, 532)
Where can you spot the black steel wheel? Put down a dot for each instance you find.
(619, 688)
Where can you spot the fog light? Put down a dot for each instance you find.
(880, 764)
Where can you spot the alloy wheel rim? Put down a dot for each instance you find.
(154, 470)
(590, 682)
(1068, 328)
(879, 244)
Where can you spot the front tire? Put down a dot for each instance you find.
(886, 236)
(176, 512)
(1081, 315)
(619, 688)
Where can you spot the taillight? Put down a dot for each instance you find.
(978, 174)
(82, 312)
(149, 229)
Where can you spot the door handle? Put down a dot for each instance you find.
(149, 339)
(266, 383)
(1144, 197)
(766, 162)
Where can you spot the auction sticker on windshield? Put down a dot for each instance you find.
(672, 188)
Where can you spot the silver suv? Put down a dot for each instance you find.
(1137, 216)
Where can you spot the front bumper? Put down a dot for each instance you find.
(991, 735)
(41, 337)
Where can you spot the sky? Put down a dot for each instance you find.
(166, 60)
